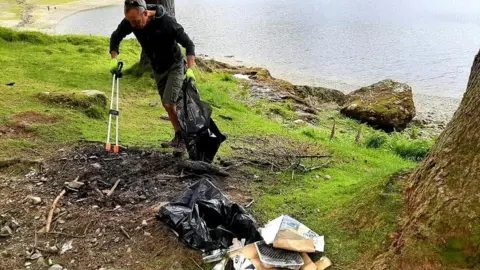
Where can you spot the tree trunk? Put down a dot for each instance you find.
(170, 7)
(440, 226)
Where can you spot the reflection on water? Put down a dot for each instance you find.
(428, 44)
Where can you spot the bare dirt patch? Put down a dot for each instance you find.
(16, 131)
(31, 117)
(93, 221)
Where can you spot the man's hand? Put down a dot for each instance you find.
(190, 75)
(113, 65)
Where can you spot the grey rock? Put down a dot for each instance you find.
(56, 267)
(320, 94)
(34, 199)
(96, 166)
(328, 177)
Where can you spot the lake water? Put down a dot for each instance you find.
(344, 44)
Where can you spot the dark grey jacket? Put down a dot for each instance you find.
(158, 39)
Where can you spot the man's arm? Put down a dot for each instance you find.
(123, 29)
(179, 33)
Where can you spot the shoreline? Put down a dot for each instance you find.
(430, 109)
(44, 20)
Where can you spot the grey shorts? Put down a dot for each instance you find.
(169, 83)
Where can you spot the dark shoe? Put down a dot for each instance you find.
(172, 143)
(179, 147)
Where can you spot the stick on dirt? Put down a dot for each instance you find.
(122, 229)
(52, 209)
(113, 188)
(196, 263)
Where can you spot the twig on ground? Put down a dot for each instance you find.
(249, 204)
(293, 173)
(113, 188)
(122, 229)
(86, 228)
(6, 211)
(99, 192)
(52, 209)
(66, 234)
(196, 263)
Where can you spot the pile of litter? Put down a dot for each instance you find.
(205, 220)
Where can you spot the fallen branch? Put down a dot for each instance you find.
(122, 229)
(201, 167)
(52, 209)
(113, 188)
(66, 234)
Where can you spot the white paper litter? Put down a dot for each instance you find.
(271, 229)
(240, 262)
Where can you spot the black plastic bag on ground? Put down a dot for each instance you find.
(201, 134)
(204, 219)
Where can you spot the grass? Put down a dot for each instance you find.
(351, 209)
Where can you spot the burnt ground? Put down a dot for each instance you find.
(92, 220)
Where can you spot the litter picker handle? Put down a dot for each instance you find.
(118, 72)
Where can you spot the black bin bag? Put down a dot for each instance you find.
(204, 219)
(201, 134)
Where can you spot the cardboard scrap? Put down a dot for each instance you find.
(323, 263)
(290, 240)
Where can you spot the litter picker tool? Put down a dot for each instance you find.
(114, 113)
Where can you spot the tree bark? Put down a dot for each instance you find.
(170, 7)
(440, 225)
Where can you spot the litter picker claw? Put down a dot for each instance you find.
(114, 113)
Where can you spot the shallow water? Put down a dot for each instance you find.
(344, 44)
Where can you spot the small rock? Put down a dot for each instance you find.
(116, 240)
(74, 184)
(14, 224)
(95, 206)
(96, 165)
(144, 223)
(299, 122)
(6, 231)
(328, 177)
(317, 176)
(61, 221)
(142, 197)
(28, 263)
(56, 267)
(153, 104)
(129, 250)
(72, 261)
(97, 231)
(36, 217)
(53, 249)
(147, 234)
(34, 199)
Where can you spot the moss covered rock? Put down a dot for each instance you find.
(321, 94)
(92, 102)
(386, 105)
